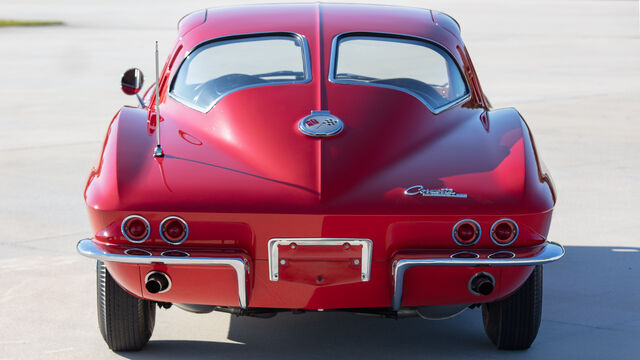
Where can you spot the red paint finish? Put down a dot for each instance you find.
(444, 286)
(320, 265)
(242, 173)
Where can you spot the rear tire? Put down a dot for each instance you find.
(513, 323)
(126, 322)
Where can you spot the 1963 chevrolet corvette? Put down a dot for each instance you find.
(317, 157)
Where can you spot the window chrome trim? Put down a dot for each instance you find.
(306, 58)
(88, 248)
(274, 261)
(550, 252)
(334, 58)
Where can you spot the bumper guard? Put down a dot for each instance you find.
(550, 252)
(88, 248)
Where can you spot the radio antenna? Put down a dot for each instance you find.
(158, 150)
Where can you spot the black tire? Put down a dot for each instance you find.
(513, 323)
(126, 322)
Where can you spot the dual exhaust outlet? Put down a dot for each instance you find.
(157, 282)
(480, 284)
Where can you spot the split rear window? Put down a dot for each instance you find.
(222, 66)
(418, 67)
(413, 65)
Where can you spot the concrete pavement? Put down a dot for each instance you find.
(572, 68)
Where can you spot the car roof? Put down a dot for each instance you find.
(317, 20)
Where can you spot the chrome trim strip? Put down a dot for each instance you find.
(124, 233)
(497, 255)
(453, 232)
(551, 252)
(182, 253)
(306, 56)
(186, 230)
(87, 248)
(334, 58)
(365, 264)
(146, 278)
(514, 238)
(146, 252)
(457, 255)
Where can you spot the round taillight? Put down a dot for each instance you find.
(504, 232)
(135, 228)
(466, 232)
(174, 230)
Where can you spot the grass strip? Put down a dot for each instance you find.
(5, 22)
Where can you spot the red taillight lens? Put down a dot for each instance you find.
(504, 232)
(174, 230)
(466, 232)
(135, 228)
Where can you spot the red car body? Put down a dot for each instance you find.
(248, 183)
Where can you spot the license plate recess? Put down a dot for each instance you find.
(320, 261)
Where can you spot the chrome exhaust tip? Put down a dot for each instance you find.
(157, 282)
(481, 284)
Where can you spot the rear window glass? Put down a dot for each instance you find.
(417, 67)
(220, 67)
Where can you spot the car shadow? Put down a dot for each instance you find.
(590, 304)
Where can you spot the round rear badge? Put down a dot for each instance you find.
(320, 124)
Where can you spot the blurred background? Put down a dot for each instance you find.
(572, 68)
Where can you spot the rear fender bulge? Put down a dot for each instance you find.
(538, 191)
(539, 180)
(101, 188)
(125, 156)
(544, 176)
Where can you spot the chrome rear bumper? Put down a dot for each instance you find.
(550, 252)
(88, 248)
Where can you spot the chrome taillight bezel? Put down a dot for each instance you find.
(162, 230)
(478, 232)
(515, 228)
(124, 228)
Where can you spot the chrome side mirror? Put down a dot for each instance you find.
(131, 83)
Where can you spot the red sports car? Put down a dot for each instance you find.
(314, 157)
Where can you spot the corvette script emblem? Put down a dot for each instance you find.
(444, 192)
(320, 124)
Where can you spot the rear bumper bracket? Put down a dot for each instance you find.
(88, 248)
(550, 252)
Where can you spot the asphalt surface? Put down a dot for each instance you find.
(572, 68)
